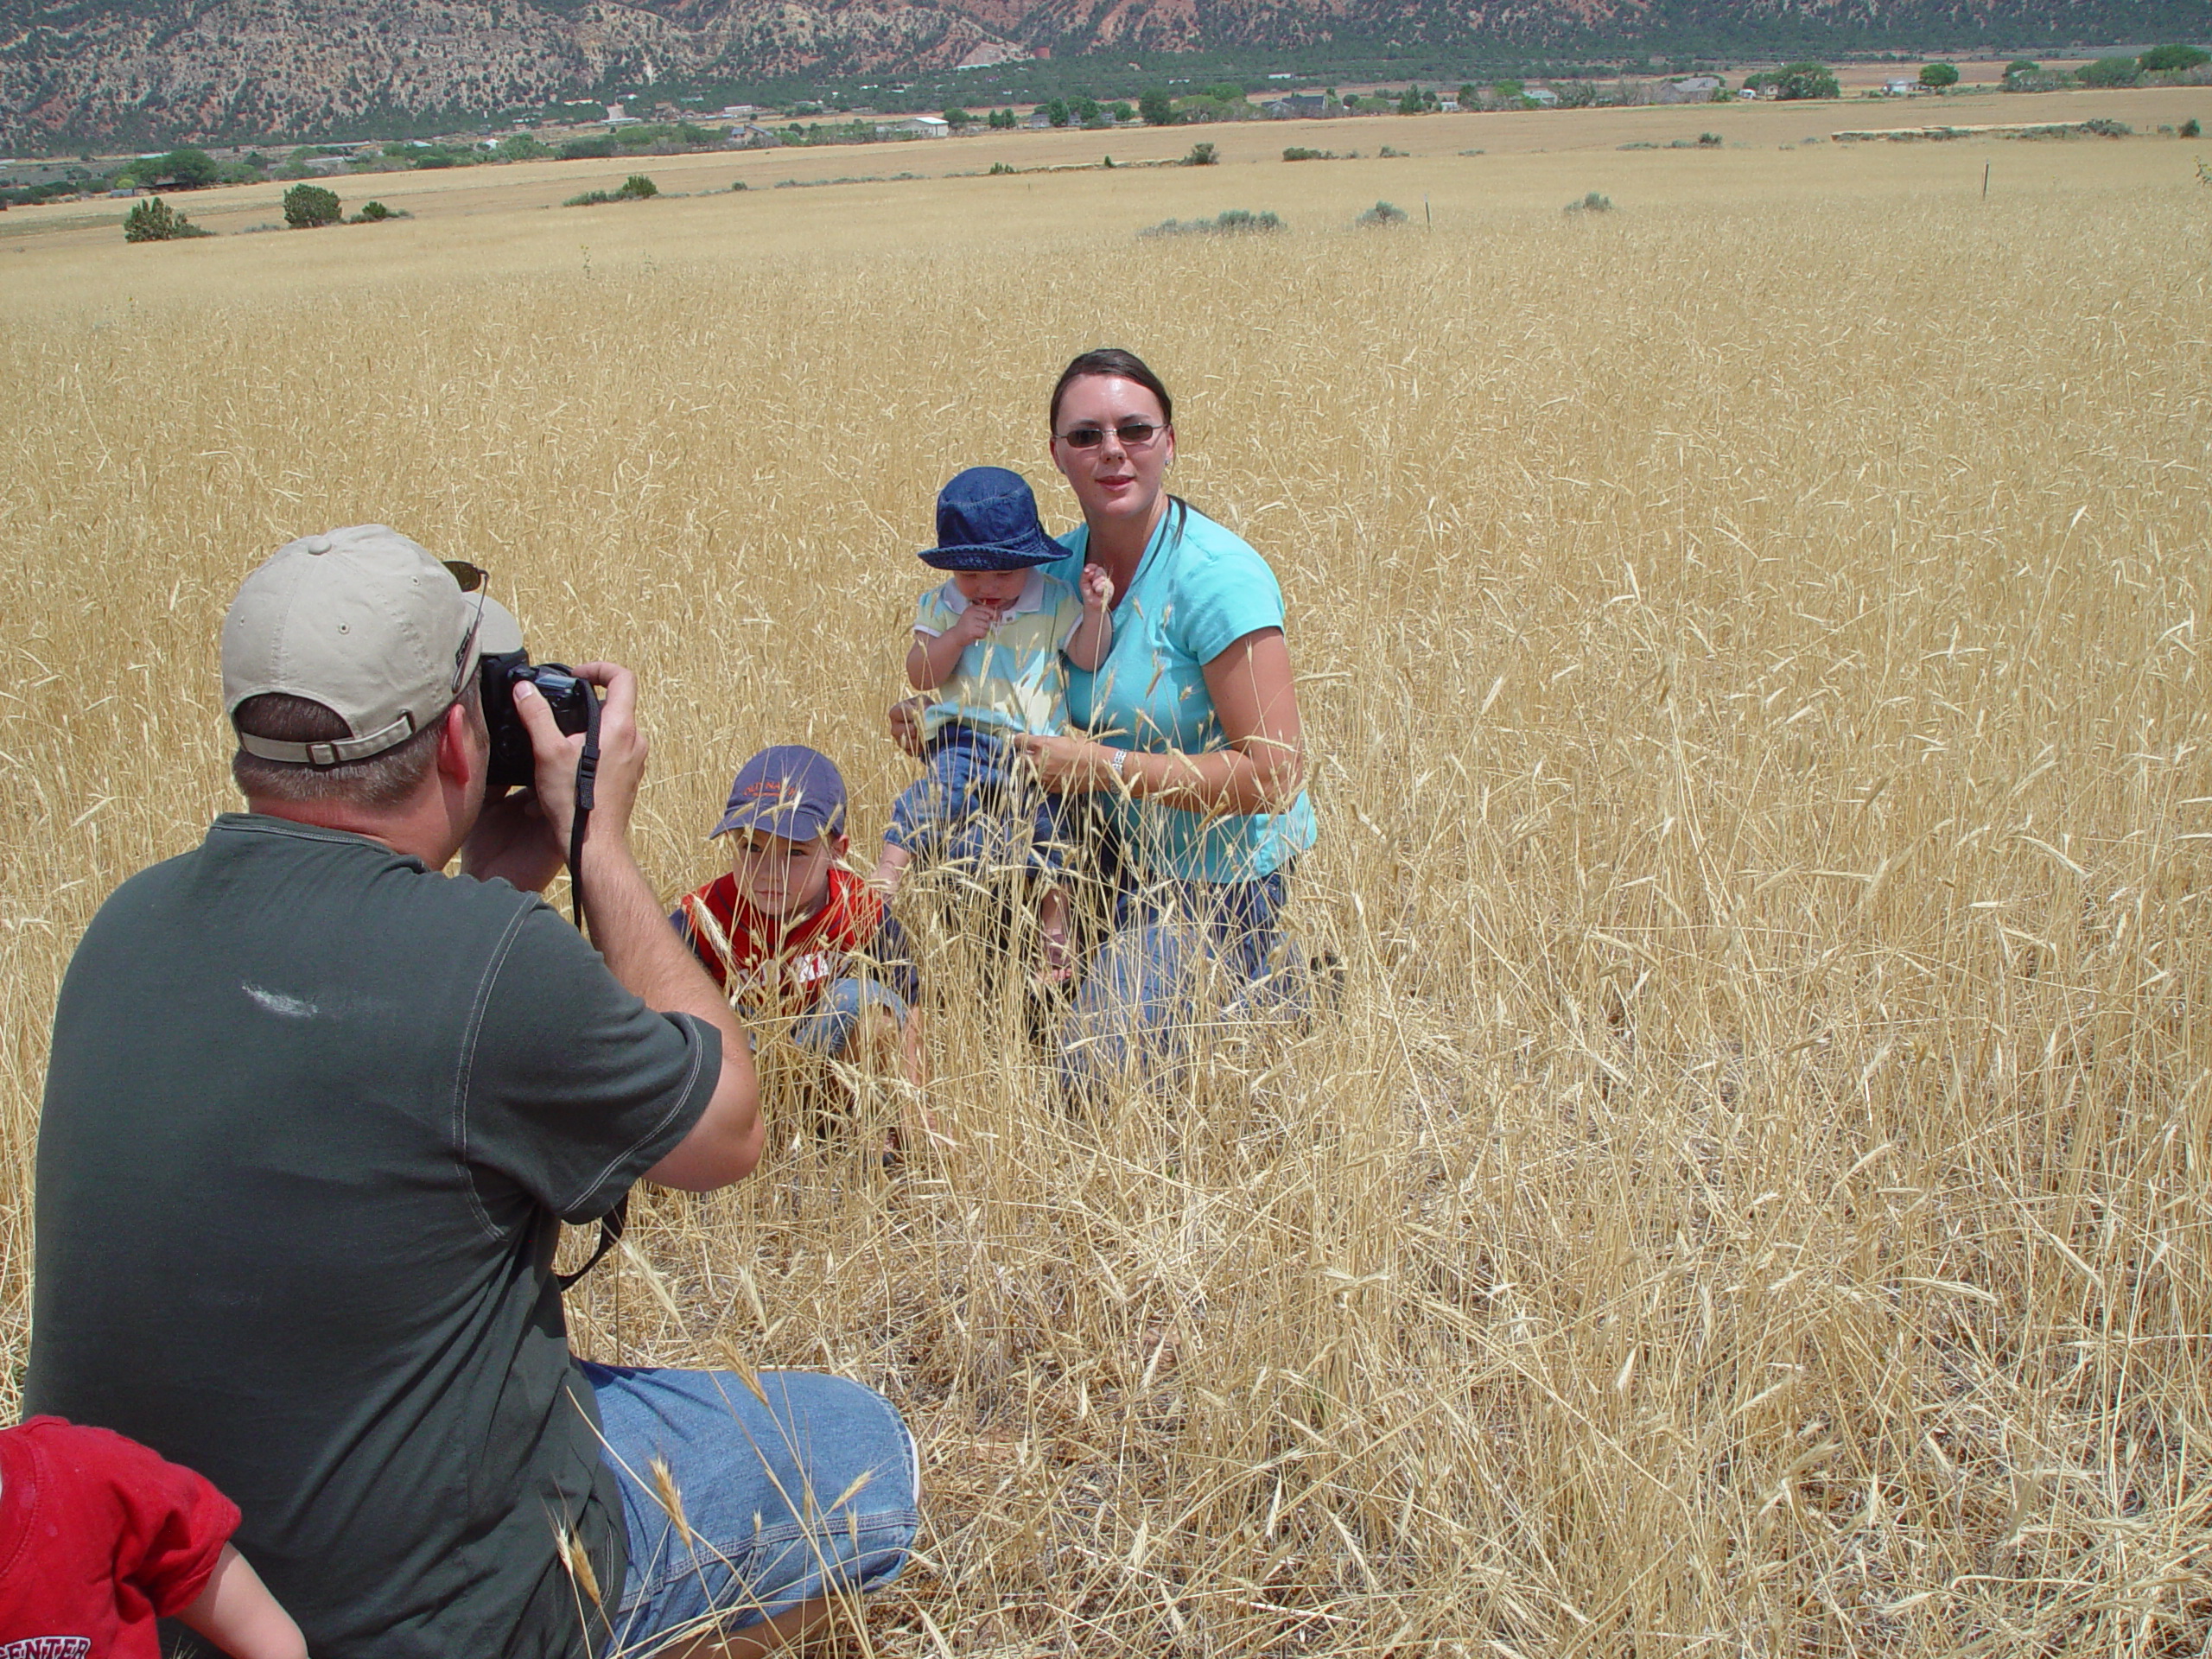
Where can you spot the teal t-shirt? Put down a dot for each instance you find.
(1198, 589)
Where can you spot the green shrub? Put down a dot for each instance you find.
(1382, 213)
(1592, 203)
(740, 185)
(2189, 129)
(1300, 153)
(593, 149)
(154, 220)
(998, 168)
(636, 187)
(1708, 140)
(1236, 221)
(2105, 127)
(188, 169)
(1801, 80)
(1939, 75)
(1388, 154)
(2110, 72)
(523, 147)
(2165, 60)
(373, 212)
(1157, 108)
(307, 206)
(1200, 155)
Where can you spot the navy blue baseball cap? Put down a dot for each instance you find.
(987, 520)
(790, 791)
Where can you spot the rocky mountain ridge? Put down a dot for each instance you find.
(184, 69)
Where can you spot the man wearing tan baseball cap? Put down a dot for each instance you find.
(314, 1114)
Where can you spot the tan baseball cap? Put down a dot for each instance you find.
(366, 622)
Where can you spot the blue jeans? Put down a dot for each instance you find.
(979, 804)
(1145, 995)
(813, 1491)
(828, 1029)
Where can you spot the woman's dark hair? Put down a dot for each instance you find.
(1111, 361)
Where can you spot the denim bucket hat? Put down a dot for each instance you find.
(987, 520)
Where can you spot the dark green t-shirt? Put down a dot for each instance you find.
(311, 1114)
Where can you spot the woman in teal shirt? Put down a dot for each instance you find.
(1195, 744)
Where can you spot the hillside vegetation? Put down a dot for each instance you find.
(1751, 1197)
(159, 70)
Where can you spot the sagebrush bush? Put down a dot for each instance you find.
(308, 205)
(154, 220)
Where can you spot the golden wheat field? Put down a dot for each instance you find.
(1751, 1197)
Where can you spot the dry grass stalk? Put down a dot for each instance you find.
(1752, 1195)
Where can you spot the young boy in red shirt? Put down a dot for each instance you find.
(792, 933)
(99, 1538)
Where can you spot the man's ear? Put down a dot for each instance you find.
(460, 758)
(840, 844)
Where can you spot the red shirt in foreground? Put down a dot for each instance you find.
(98, 1538)
(774, 967)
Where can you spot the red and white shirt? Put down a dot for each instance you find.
(98, 1538)
(777, 968)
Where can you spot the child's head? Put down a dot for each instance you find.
(986, 522)
(786, 824)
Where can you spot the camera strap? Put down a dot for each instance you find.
(611, 1224)
(587, 776)
(610, 1234)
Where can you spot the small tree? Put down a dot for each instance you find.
(154, 220)
(638, 187)
(372, 212)
(523, 147)
(1201, 155)
(306, 206)
(1157, 108)
(1936, 76)
(1802, 80)
(188, 169)
(2165, 60)
(1087, 111)
(2110, 72)
(958, 119)
(1057, 111)
(1382, 214)
(2189, 129)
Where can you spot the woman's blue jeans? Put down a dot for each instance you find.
(1183, 957)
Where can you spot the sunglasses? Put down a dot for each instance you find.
(1132, 435)
(471, 579)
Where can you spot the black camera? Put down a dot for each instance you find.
(514, 764)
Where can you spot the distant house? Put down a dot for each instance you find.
(915, 126)
(1038, 117)
(1298, 106)
(1901, 88)
(740, 112)
(1540, 95)
(1447, 106)
(1687, 89)
(746, 136)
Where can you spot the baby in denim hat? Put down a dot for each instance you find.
(987, 647)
